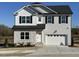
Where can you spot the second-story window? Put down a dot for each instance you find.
(49, 19)
(63, 19)
(25, 19)
(28, 19)
(39, 19)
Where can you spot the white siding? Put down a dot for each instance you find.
(24, 13)
(32, 36)
(35, 19)
(57, 28)
(49, 28)
(42, 20)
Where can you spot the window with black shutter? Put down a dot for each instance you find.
(20, 19)
(59, 19)
(63, 19)
(66, 19)
(49, 19)
(39, 19)
(25, 19)
(46, 19)
(31, 20)
(52, 19)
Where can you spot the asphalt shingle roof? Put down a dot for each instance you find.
(38, 27)
(63, 9)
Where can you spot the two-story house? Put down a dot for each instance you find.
(37, 23)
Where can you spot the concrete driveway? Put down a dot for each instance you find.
(45, 51)
(56, 51)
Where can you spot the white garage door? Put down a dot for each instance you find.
(55, 40)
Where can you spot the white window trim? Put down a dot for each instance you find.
(24, 35)
(51, 20)
(62, 19)
(25, 19)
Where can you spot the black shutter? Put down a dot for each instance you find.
(52, 19)
(59, 19)
(66, 19)
(19, 19)
(46, 19)
(31, 19)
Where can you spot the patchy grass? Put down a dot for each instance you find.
(20, 48)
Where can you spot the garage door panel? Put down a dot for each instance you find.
(55, 40)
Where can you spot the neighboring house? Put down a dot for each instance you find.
(37, 23)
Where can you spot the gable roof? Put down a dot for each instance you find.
(29, 10)
(63, 9)
(34, 9)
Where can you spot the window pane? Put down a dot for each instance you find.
(28, 19)
(39, 18)
(63, 19)
(22, 37)
(49, 19)
(22, 19)
(22, 33)
(27, 35)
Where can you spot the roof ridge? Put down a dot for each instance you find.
(58, 5)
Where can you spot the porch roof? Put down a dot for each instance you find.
(32, 27)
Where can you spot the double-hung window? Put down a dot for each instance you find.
(28, 19)
(39, 19)
(63, 19)
(24, 35)
(25, 19)
(49, 19)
